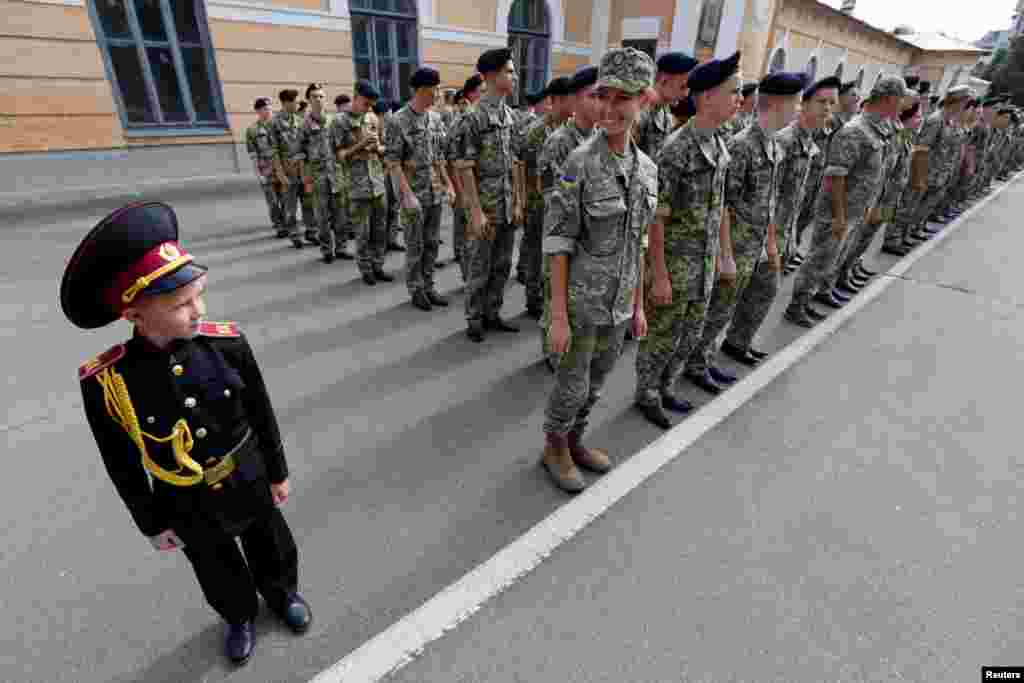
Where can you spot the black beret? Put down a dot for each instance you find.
(823, 84)
(910, 113)
(911, 81)
(395, 106)
(558, 87)
(425, 77)
(492, 60)
(342, 99)
(584, 77)
(783, 83)
(713, 73)
(684, 108)
(923, 87)
(847, 87)
(288, 95)
(533, 98)
(748, 89)
(311, 87)
(676, 63)
(472, 83)
(260, 103)
(365, 89)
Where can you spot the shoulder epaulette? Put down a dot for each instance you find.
(219, 329)
(104, 360)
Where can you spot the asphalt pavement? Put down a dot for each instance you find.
(414, 454)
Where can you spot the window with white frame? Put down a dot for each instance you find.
(160, 62)
(384, 45)
(529, 37)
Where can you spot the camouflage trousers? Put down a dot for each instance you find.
(929, 204)
(530, 258)
(721, 307)
(422, 239)
(460, 219)
(899, 231)
(341, 217)
(856, 246)
(488, 265)
(273, 200)
(290, 203)
(815, 273)
(581, 374)
(324, 206)
(673, 331)
(369, 220)
(755, 301)
(393, 214)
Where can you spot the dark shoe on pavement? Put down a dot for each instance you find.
(760, 355)
(722, 376)
(521, 278)
(705, 382)
(842, 297)
(328, 257)
(420, 301)
(896, 251)
(798, 318)
(655, 414)
(676, 405)
(382, 276)
(240, 642)
(827, 299)
(282, 232)
(296, 614)
(344, 255)
(814, 314)
(737, 354)
(297, 242)
(312, 237)
(475, 330)
(861, 270)
(499, 325)
(436, 299)
(369, 279)
(439, 264)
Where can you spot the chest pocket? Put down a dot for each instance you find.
(495, 140)
(604, 223)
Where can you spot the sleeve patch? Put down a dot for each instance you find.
(105, 359)
(219, 329)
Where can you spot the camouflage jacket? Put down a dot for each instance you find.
(417, 141)
(652, 128)
(315, 146)
(528, 148)
(938, 135)
(598, 215)
(260, 146)
(524, 119)
(735, 125)
(485, 138)
(821, 138)
(981, 135)
(692, 169)
(752, 188)
(286, 132)
(556, 149)
(899, 176)
(365, 172)
(858, 153)
(799, 156)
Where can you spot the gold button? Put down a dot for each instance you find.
(227, 393)
(201, 432)
(178, 370)
(190, 402)
(150, 419)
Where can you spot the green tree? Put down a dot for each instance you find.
(1008, 76)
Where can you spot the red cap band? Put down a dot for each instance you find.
(161, 260)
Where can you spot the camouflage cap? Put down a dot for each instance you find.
(889, 86)
(627, 69)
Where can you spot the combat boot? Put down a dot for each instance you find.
(559, 463)
(798, 316)
(593, 459)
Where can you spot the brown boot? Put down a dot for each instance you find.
(593, 459)
(559, 464)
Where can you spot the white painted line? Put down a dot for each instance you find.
(403, 641)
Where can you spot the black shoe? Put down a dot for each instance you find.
(798, 318)
(521, 278)
(552, 366)
(896, 251)
(475, 330)
(655, 414)
(381, 276)
(861, 270)
(439, 265)
(705, 382)
(814, 314)
(499, 325)
(722, 376)
(436, 299)
(676, 405)
(846, 290)
(369, 279)
(395, 246)
(297, 242)
(240, 642)
(534, 313)
(841, 296)
(328, 257)
(420, 301)
(827, 299)
(296, 614)
(312, 238)
(282, 232)
(739, 355)
(859, 280)
(344, 255)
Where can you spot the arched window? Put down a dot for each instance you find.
(778, 61)
(812, 68)
(529, 36)
(384, 44)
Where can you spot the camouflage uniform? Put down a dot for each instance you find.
(318, 153)
(527, 148)
(417, 141)
(981, 138)
(941, 138)
(460, 214)
(286, 130)
(692, 169)
(529, 245)
(815, 174)
(858, 153)
(366, 192)
(797, 153)
(652, 128)
(897, 186)
(485, 140)
(259, 144)
(598, 216)
(750, 194)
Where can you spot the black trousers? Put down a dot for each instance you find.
(230, 582)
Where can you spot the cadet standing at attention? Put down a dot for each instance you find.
(656, 123)
(355, 136)
(183, 421)
(596, 232)
(684, 256)
(285, 127)
(484, 165)
(259, 143)
(319, 174)
(416, 161)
